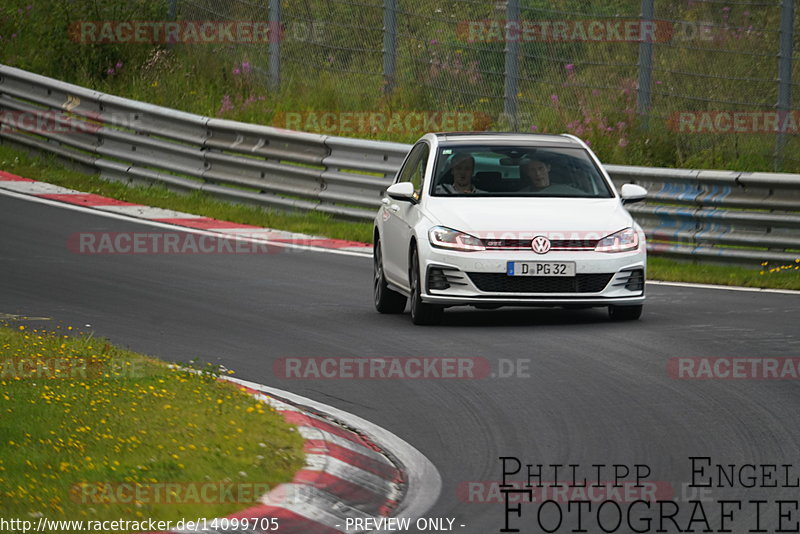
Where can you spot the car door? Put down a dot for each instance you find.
(400, 217)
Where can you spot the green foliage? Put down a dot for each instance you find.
(718, 58)
(55, 25)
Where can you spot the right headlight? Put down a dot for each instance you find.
(623, 241)
(443, 237)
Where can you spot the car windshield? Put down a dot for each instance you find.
(517, 171)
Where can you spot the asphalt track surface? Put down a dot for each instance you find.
(597, 392)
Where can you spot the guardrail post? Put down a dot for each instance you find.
(275, 36)
(513, 34)
(643, 99)
(389, 43)
(784, 78)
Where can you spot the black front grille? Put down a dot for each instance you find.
(507, 243)
(502, 283)
(573, 243)
(555, 244)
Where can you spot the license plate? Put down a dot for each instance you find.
(540, 268)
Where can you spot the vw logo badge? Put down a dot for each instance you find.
(540, 244)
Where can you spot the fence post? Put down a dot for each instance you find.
(275, 37)
(784, 78)
(643, 97)
(172, 13)
(513, 34)
(389, 43)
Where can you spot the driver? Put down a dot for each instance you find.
(537, 172)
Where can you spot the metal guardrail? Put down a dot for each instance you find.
(733, 217)
(708, 215)
(135, 142)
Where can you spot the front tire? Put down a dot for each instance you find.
(386, 300)
(624, 313)
(421, 313)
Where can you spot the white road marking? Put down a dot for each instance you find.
(166, 226)
(146, 212)
(728, 288)
(37, 188)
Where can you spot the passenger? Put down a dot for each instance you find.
(462, 169)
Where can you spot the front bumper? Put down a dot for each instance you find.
(479, 278)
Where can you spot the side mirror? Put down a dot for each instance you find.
(631, 193)
(402, 191)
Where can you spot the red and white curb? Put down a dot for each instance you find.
(346, 475)
(45, 191)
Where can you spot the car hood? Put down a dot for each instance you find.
(482, 216)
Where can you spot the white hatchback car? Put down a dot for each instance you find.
(492, 220)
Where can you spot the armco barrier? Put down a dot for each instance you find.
(734, 217)
(706, 215)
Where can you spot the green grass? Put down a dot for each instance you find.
(777, 276)
(112, 417)
(48, 169)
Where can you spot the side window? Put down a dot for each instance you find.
(414, 169)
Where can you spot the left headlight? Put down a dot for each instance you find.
(443, 237)
(622, 241)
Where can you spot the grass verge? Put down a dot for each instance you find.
(770, 276)
(90, 431)
(48, 169)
